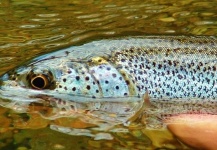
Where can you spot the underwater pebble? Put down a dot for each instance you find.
(198, 23)
(95, 144)
(168, 19)
(137, 133)
(107, 144)
(199, 30)
(141, 147)
(102, 136)
(202, 4)
(130, 143)
(22, 148)
(207, 14)
(122, 135)
(58, 146)
(170, 31)
(181, 14)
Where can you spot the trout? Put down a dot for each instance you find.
(114, 79)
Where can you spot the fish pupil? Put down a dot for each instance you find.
(38, 82)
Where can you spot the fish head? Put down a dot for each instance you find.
(50, 75)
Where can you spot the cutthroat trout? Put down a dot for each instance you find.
(177, 74)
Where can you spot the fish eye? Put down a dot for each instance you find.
(41, 78)
(40, 81)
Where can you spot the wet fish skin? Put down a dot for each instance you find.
(168, 67)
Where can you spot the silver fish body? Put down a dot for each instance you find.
(179, 68)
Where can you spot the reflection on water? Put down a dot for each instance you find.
(29, 28)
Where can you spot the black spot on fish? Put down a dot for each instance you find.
(208, 80)
(139, 78)
(117, 87)
(106, 81)
(97, 91)
(69, 71)
(127, 82)
(108, 68)
(97, 81)
(67, 52)
(180, 76)
(65, 88)
(148, 67)
(200, 64)
(114, 75)
(60, 86)
(123, 60)
(131, 50)
(125, 55)
(170, 62)
(77, 78)
(88, 87)
(87, 78)
(74, 89)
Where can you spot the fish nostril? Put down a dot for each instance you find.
(40, 82)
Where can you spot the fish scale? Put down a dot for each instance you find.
(164, 76)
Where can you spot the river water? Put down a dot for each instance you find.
(34, 27)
